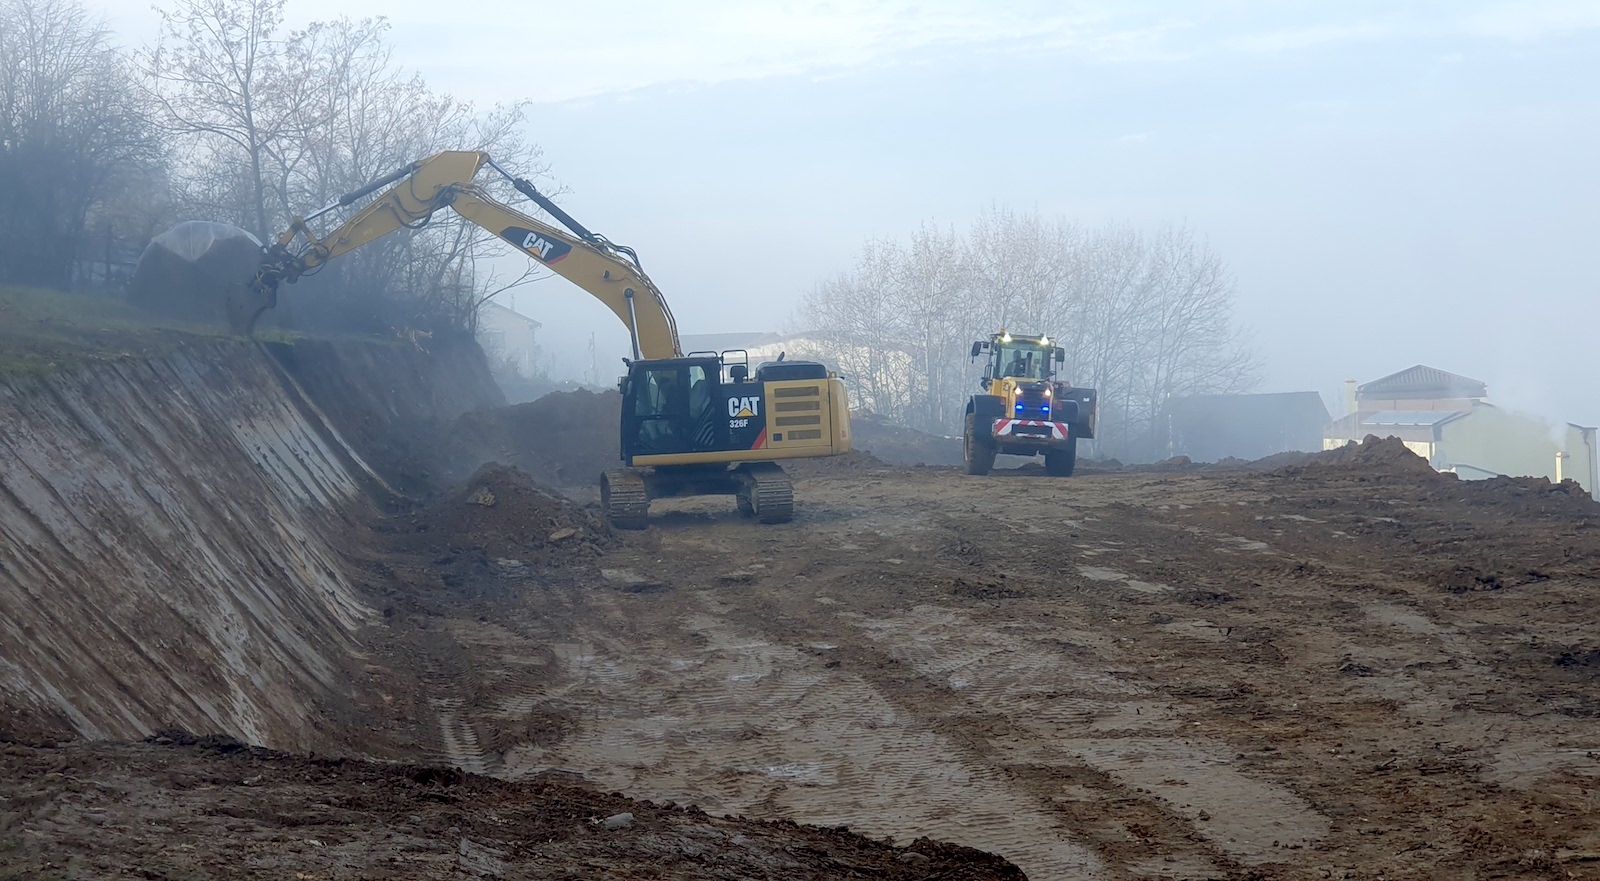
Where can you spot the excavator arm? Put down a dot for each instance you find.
(610, 273)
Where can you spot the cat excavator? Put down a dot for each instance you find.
(692, 424)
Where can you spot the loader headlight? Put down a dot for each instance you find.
(1047, 392)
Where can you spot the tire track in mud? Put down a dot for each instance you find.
(1043, 699)
(701, 710)
(946, 689)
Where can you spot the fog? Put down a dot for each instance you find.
(1387, 187)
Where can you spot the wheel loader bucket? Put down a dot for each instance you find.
(202, 272)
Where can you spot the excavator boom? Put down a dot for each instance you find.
(611, 274)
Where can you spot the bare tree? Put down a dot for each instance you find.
(239, 93)
(1143, 319)
(280, 123)
(74, 136)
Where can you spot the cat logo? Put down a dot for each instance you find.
(744, 407)
(536, 244)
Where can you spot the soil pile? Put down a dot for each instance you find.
(1533, 496)
(1266, 463)
(563, 438)
(1374, 458)
(899, 445)
(502, 518)
(178, 806)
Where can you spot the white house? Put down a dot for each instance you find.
(509, 337)
(1448, 420)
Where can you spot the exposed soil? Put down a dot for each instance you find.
(1338, 669)
(1347, 666)
(179, 806)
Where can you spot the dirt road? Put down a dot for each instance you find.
(1350, 670)
(1326, 672)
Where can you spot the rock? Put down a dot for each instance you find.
(482, 497)
(913, 857)
(618, 821)
(562, 534)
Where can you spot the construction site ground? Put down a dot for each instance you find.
(1351, 667)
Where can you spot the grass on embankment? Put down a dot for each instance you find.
(42, 331)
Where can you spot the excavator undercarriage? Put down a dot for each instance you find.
(761, 489)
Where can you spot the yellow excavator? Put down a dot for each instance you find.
(695, 424)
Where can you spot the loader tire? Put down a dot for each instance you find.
(977, 453)
(1062, 461)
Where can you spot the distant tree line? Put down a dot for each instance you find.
(1144, 317)
(231, 116)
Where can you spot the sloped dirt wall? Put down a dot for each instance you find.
(167, 530)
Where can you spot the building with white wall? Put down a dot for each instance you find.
(1448, 420)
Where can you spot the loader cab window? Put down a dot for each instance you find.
(1023, 362)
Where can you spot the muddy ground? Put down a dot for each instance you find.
(1351, 667)
(180, 807)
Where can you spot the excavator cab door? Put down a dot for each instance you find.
(669, 407)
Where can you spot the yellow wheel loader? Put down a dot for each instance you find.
(696, 424)
(1024, 410)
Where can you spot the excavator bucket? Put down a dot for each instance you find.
(202, 272)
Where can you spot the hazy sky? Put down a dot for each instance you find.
(1391, 183)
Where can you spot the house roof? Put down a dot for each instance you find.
(1424, 381)
(1410, 417)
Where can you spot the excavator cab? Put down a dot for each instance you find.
(667, 407)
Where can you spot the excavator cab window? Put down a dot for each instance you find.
(669, 407)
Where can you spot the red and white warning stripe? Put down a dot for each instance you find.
(1030, 428)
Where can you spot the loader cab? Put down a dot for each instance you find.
(1018, 357)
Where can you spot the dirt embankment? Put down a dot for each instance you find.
(168, 533)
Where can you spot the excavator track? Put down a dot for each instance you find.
(767, 493)
(625, 498)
